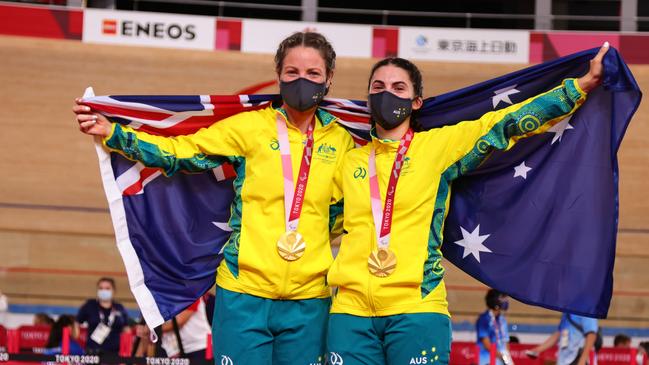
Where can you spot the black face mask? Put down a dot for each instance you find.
(389, 110)
(504, 305)
(302, 94)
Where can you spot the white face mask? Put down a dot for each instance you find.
(104, 294)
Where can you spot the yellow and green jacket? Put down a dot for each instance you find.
(249, 142)
(435, 158)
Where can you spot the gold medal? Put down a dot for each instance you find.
(291, 246)
(382, 262)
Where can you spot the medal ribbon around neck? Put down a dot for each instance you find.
(291, 245)
(382, 262)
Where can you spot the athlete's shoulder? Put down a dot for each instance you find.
(430, 133)
(249, 120)
(336, 131)
(361, 152)
(267, 113)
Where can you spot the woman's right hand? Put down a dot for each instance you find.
(91, 123)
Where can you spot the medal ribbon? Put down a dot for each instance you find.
(496, 324)
(383, 224)
(294, 193)
(111, 317)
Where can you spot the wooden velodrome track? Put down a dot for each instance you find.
(55, 232)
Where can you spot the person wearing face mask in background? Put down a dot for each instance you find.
(272, 300)
(491, 327)
(390, 306)
(106, 319)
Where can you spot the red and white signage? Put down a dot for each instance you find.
(149, 29)
(349, 40)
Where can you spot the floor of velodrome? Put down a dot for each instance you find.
(55, 232)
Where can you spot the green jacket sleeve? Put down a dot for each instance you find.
(468, 143)
(196, 152)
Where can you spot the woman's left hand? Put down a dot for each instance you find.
(594, 76)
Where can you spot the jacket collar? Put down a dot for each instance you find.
(383, 145)
(322, 116)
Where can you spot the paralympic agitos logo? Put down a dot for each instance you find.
(157, 30)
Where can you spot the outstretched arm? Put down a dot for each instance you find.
(593, 78)
(196, 152)
(549, 342)
(589, 342)
(470, 142)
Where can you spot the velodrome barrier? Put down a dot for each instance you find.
(350, 40)
(25, 345)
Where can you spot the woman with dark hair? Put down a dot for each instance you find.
(272, 299)
(491, 328)
(106, 319)
(55, 340)
(43, 319)
(390, 307)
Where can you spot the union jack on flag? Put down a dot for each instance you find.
(170, 231)
(180, 115)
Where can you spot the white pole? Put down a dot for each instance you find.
(629, 11)
(543, 15)
(310, 10)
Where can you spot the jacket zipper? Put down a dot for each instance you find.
(370, 300)
(284, 287)
(283, 294)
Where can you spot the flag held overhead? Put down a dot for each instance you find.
(538, 221)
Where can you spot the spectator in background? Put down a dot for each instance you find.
(43, 319)
(143, 345)
(575, 336)
(210, 301)
(106, 319)
(514, 339)
(188, 336)
(622, 341)
(491, 327)
(55, 340)
(4, 307)
(643, 353)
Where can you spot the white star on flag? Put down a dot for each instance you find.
(472, 243)
(521, 170)
(559, 128)
(224, 227)
(503, 95)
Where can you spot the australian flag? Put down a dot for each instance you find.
(538, 222)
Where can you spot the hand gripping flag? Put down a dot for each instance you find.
(538, 222)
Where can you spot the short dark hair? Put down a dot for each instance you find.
(307, 39)
(44, 318)
(493, 299)
(56, 332)
(644, 345)
(621, 338)
(108, 280)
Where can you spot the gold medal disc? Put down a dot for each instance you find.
(291, 246)
(382, 262)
